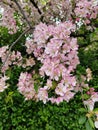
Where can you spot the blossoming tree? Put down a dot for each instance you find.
(49, 55)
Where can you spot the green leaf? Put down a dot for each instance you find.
(36, 86)
(9, 97)
(88, 126)
(85, 96)
(96, 109)
(54, 84)
(82, 110)
(44, 2)
(82, 120)
(10, 93)
(95, 86)
(91, 122)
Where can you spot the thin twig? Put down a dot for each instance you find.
(9, 51)
(36, 6)
(39, 11)
(23, 13)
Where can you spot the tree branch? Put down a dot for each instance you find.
(23, 13)
(36, 6)
(9, 51)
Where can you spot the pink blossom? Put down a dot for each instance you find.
(68, 95)
(8, 20)
(3, 84)
(94, 97)
(14, 58)
(42, 95)
(30, 46)
(3, 50)
(41, 34)
(56, 100)
(86, 10)
(26, 85)
(90, 104)
(29, 62)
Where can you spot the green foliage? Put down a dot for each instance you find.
(29, 115)
(91, 122)
(82, 119)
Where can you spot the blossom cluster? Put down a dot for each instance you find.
(93, 98)
(26, 87)
(86, 10)
(57, 52)
(13, 58)
(8, 19)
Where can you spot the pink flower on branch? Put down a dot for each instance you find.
(3, 84)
